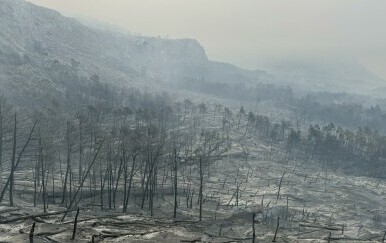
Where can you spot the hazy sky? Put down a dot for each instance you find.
(249, 33)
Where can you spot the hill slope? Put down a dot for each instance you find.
(40, 48)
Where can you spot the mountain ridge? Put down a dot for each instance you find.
(34, 40)
(40, 47)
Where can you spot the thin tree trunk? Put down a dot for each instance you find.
(75, 225)
(278, 191)
(17, 161)
(175, 183)
(129, 186)
(53, 185)
(35, 183)
(41, 160)
(117, 182)
(277, 229)
(68, 164)
(201, 185)
(80, 170)
(1, 145)
(253, 228)
(83, 180)
(31, 233)
(12, 163)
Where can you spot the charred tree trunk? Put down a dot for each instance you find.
(83, 180)
(117, 182)
(1, 145)
(12, 163)
(31, 233)
(10, 178)
(130, 183)
(80, 166)
(175, 184)
(201, 188)
(75, 225)
(41, 161)
(68, 164)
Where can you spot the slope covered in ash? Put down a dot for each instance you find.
(44, 51)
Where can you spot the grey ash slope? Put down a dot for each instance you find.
(40, 48)
(43, 52)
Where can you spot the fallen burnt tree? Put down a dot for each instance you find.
(15, 219)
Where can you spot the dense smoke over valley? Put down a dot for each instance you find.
(175, 135)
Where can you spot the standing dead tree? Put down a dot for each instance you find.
(201, 188)
(31, 233)
(175, 169)
(75, 224)
(277, 229)
(15, 162)
(278, 191)
(68, 160)
(83, 180)
(253, 228)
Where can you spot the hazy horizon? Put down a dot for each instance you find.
(252, 33)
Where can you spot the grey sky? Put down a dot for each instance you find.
(249, 33)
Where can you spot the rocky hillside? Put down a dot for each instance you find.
(40, 49)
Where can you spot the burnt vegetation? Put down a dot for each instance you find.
(121, 150)
(92, 150)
